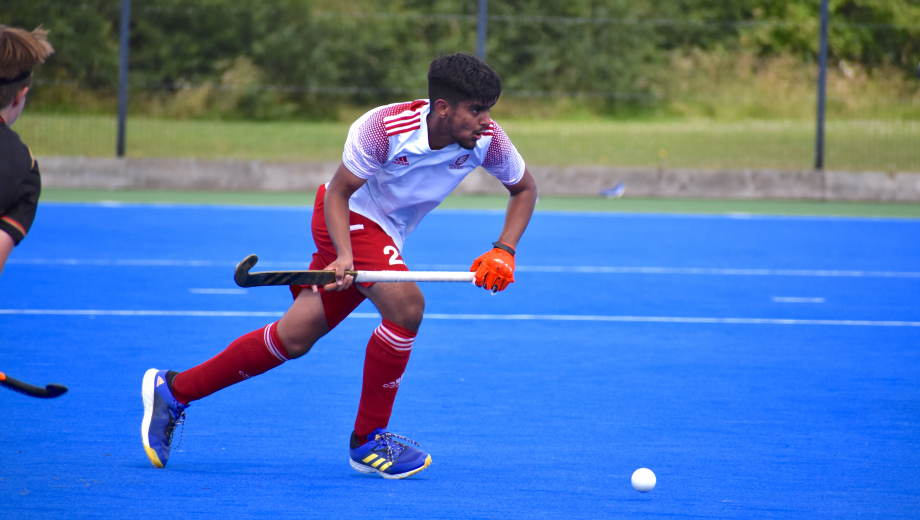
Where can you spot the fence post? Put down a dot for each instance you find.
(822, 88)
(481, 30)
(123, 75)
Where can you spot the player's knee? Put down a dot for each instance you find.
(411, 312)
(414, 315)
(298, 347)
(298, 342)
(302, 326)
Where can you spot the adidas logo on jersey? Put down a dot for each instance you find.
(401, 161)
(393, 384)
(458, 165)
(408, 120)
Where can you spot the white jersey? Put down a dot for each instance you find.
(406, 179)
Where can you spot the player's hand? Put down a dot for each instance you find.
(495, 269)
(342, 281)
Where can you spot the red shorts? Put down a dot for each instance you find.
(371, 247)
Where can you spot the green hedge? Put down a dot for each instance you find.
(220, 54)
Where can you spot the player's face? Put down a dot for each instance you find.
(467, 121)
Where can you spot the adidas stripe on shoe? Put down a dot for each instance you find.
(387, 457)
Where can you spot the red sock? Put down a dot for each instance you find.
(384, 363)
(250, 355)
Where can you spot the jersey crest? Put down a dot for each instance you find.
(458, 164)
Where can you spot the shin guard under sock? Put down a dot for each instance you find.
(384, 363)
(249, 355)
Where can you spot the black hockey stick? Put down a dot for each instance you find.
(52, 390)
(244, 278)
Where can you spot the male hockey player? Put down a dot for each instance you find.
(400, 162)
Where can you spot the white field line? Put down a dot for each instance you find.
(96, 312)
(123, 262)
(476, 317)
(724, 272)
(671, 319)
(695, 271)
(520, 268)
(796, 299)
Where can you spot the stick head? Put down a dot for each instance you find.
(242, 270)
(54, 390)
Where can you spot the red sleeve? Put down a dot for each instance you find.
(502, 159)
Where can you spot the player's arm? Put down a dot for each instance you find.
(6, 247)
(16, 219)
(495, 269)
(520, 209)
(340, 189)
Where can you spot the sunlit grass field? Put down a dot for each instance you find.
(856, 145)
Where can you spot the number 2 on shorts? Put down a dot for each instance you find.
(394, 260)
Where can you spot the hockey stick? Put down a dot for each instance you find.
(244, 278)
(51, 390)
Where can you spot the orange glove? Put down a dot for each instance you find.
(495, 269)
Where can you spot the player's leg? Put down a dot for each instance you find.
(401, 306)
(166, 394)
(373, 448)
(256, 352)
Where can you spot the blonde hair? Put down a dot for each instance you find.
(20, 51)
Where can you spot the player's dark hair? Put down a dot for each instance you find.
(462, 77)
(20, 51)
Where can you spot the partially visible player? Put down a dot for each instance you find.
(400, 162)
(20, 184)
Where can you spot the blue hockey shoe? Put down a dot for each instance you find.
(383, 455)
(162, 413)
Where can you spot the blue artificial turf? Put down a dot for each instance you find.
(544, 416)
